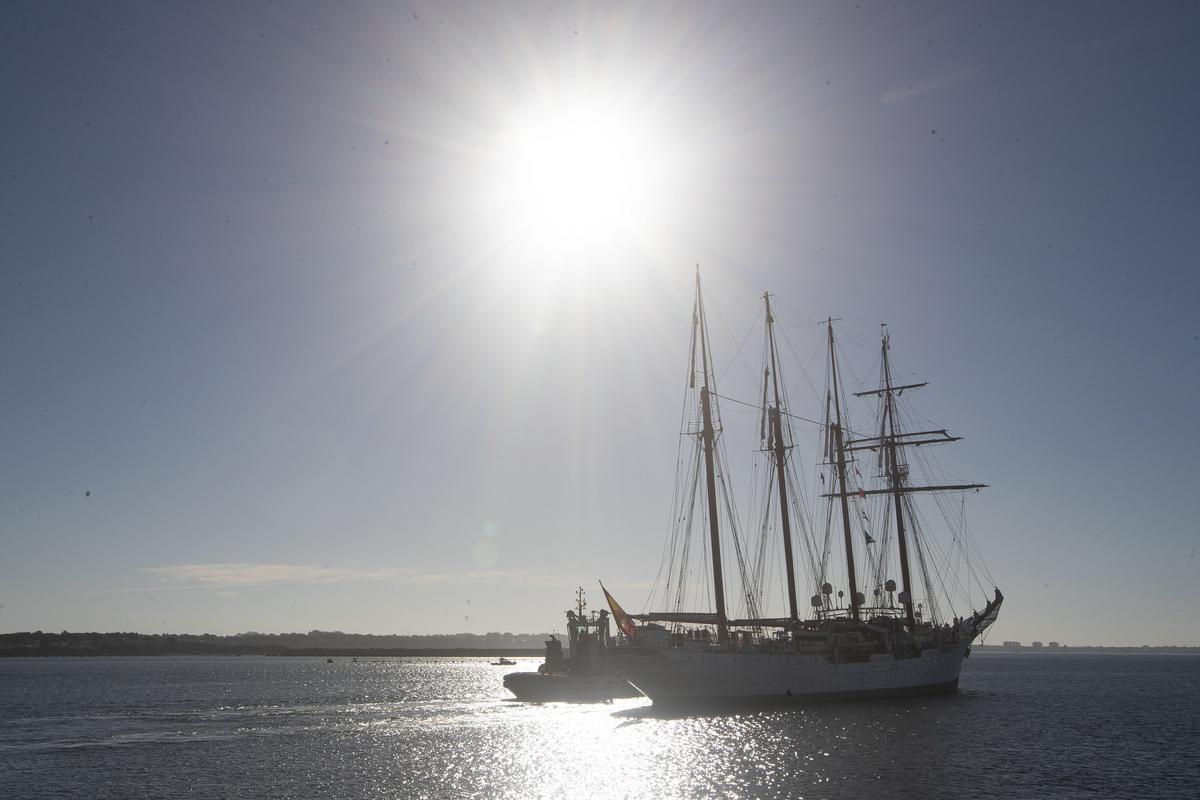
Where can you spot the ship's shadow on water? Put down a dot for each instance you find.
(818, 707)
(517, 701)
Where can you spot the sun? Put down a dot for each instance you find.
(576, 183)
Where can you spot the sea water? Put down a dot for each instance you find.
(1021, 726)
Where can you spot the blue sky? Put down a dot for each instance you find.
(254, 299)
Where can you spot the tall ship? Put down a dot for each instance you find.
(847, 534)
(582, 673)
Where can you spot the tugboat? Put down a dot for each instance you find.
(582, 675)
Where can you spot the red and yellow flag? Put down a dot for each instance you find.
(623, 621)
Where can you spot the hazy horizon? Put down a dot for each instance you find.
(1045, 644)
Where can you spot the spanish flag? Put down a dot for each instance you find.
(623, 621)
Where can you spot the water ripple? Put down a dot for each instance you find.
(1062, 726)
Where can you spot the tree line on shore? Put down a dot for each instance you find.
(38, 643)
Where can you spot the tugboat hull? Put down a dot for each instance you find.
(540, 687)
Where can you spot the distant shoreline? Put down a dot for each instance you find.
(529, 653)
(360, 654)
(313, 643)
(329, 644)
(1132, 649)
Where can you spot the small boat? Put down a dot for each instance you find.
(583, 675)
(504, 662)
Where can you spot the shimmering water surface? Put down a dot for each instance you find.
(1021, 727)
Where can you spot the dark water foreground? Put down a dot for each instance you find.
(1022, 726)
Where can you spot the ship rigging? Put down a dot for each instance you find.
(872, 515)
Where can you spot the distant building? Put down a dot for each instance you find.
(1011, 645)
(1036, 645)
(1053, 645)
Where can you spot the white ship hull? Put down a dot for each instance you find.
(677, 676)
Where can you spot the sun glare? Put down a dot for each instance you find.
(576, 184)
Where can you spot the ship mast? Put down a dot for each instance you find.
(780, 452)
(839, 444)
(708, 437)
(891, 440)
(896, 480)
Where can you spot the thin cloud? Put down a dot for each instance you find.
(260, 574)
(235, 575)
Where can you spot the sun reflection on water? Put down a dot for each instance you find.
(445, 744)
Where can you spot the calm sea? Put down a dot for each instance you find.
(1021, 727)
